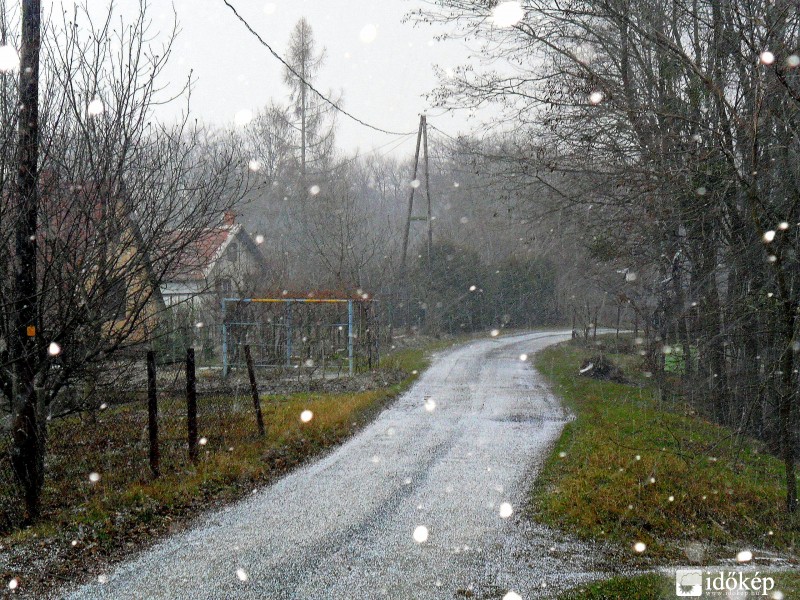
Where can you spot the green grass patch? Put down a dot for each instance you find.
(631, 468)
(643, 587)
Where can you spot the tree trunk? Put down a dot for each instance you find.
(787, 424)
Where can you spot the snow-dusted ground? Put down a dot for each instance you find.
(343, 527)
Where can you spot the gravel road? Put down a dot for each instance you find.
(450, 455)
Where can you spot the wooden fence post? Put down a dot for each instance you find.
(191, 404)
(152, 413)
(254, 389)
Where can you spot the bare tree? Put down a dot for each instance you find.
(683, 116)
(93, 226)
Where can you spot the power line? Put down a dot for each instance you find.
(311, 87)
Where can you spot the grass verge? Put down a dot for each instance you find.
(630, 469)
(86, 524)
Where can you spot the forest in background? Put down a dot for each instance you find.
(644, 172)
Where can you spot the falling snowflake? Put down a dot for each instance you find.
(13, 584)
(368, 34)
(54, 349)
(506, 510)
(792, 61)
(512, 595)
(596, 97)
(94, 477)
(415, 184)
(9, 59)
(259, 239)
(254, 165)
(313, 190)
(102, 578)
(494, 332)
(243, 117)
(640, 547)
(472, 288)
(430, 404)
(95, 107)
(421, 534)
(744, 556)
(306, 416)
(767, 57)
(523, 357)
(507, 14)
(202, 441)
(241, 575)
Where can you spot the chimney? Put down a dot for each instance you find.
(229, 218)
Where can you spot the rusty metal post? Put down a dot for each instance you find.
(254, 390)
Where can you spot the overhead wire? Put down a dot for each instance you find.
(306, 83)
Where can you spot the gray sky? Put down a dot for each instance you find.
(382, 80)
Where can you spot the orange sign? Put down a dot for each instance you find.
(31, 330)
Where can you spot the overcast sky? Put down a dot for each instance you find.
(382, 80)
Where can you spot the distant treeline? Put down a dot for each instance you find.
(455, 291)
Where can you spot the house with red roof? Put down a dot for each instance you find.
(221, 261)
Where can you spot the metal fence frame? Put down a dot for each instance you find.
(289, 302)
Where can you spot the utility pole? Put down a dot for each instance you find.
(422, 140)
(424, 125)
(28, 428)
(410, 204)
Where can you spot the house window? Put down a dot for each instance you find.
(225, 285)
(114, 305)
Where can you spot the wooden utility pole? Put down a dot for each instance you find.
(152, 414)
(422, 140)
(191, 404)
(424, 125)
(28, 427)
(403, 257)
